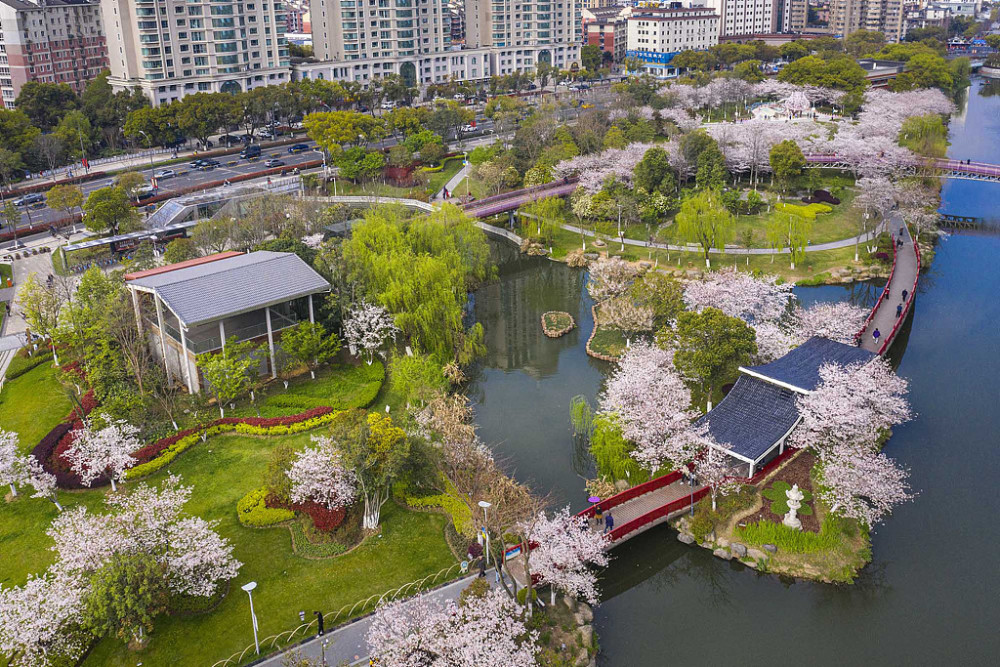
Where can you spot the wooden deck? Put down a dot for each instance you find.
(906, 268)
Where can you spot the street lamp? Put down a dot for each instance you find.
(486, 505)
(150, 142)
(249, 589)
(691, 484)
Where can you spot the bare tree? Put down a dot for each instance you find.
(51, 148)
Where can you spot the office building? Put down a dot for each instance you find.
(172, 48)
(655, 36)
(49, 41)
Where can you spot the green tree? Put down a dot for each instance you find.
(709, 347)
(64, 197)
(993, 41)
(310, 345)
(109, 210)
(229, 373)
(864, 42)
(787, 162)
(76, 133)
(653, 173)
(48, 150)
(793, 50)
(11, 216)
(613, 453)
(590, 57)
(41, 305)
(10, 163)
(201, 115)
(335, 129)
(372, 165)
(46, 103)
(842, 73)
(750, 71)
(416, 379)
(130, 182)
(214, 235)
(180, 250)
(787, 230)
(712, 171)
(924, 70)
(689, 59)
(705, 221)
(17, 134)
(125, 595)
(544, 218)
(663, 293)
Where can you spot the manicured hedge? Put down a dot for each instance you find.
(810, 211)
(20, 365)
(157, 455)
(253, 511)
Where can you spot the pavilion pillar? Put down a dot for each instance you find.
(781, 447)
(222, 334)
(311, 317)
(135, 306)
(270, 342)
(163, 341)
(187, 362)
(751, 470)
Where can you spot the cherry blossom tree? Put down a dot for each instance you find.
(773, 341)
(197, 558)
(852, 407)
(876, 196)
(44, 483)
(106, 451)
(837, 321)
(487, 631)
(653, 405)
(84, 541)
(38, 621)
(862, 484)
(318, 474)
(625, 314)
(567, 548)
(610, 277)
(741, 295)
(13, 465)
(368, 328)
(714, 468)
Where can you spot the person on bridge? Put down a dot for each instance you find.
(876, 335)
(899, 310)
(904, 295)
(609, 523)
(599, 516)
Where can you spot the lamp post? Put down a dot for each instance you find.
(465, 163)
(486, 505)
(691, 484)
(249, 589)
(150, 142)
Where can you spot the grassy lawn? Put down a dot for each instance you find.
(31, 405)
(6, 273)
(608, 341)
(436, 181)
(411, 546)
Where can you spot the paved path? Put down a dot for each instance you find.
(346, 644)
(904, 274)
(453, 183)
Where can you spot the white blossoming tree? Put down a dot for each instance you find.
(368, 328)
(852, 407)
(318, 474)
(106, 451)
(197, 558)
(653, 405)
(487, 631)
(837, 321)
(42, 482)
(741, 295)
(567, 548)
(610, 277)
(38, 621)
(859, 483)
(13, 465)
(714, 469)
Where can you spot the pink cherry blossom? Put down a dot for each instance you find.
(13, 464)
(837, 321)
(38, 621)
(567, 548)
(105, 451)
(197, 558)
(740, 294)
(610, 277)
(862, 484)
(317, 474)
(368, 328)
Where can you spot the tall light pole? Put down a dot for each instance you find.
(150, 143)
(249, 589)
(486, 505)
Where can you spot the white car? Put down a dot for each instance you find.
(165, 173)
(468, 128)
(388, 105)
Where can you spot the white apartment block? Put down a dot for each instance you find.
(523, 33)
(49, 41)
(172, 48)
(743, 17)
(885, 16)
(655, 36)
(345, 30)
(421, 70)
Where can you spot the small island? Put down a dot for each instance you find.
(556, 323)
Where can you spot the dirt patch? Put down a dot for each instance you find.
(795, 471)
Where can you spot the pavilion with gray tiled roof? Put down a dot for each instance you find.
(193, 307)
(759, 412)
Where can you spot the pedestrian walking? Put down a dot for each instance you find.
(899, 310)
(904, 295)
(599, 516)
(609, 523)
(876, 335)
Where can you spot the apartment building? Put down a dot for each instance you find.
(607, 28)
(346, 30)
(885, 16)
(791, 15)
(743, 17)
(655, 36)
(419, 70)
(522, 33)
(172, 48)
(49, 41)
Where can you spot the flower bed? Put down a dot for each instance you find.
(155, 456)
(556, 323)
(50, 449)
(252, 510)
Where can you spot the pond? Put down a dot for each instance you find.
(929, 595)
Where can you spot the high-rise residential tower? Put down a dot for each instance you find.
(172, 48)
(369, 29)
(523, 33)
(885, 16)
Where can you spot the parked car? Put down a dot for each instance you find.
(388, 105)
(165, 173)
(274, 163)
(32, 198)
(298, 148)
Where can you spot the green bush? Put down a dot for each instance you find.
(479, 587)
(522, 594)
(343, 388)
(779, 501)
(461, 515)
(794, 541)
(20, 365)
(809, 211)
(252, 510)
(701, 525)
(304, 547)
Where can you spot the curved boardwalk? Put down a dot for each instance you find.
(887, 317)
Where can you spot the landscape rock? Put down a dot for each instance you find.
(586, 613)
(771, 548)
(685, 538)
(755, 554)
(722, 553)
(738, 549)
(722, 542)
(583, 657)
(587, 635)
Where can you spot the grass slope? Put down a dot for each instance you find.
(31, 405)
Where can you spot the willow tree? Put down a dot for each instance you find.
(705, 221)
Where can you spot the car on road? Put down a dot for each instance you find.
(196, 164)
(468, 128)
(165, 173)
(388, 105)
(144, 192)
(250, 152)
(298, 148)
(274, 163)
(32, 198)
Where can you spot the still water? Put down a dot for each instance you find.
(932, 592)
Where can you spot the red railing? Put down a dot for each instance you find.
(630, 494)
(906, 306)
(871, 315)
(659, 513)
(503, 196)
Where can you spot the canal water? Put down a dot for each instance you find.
(931, 594)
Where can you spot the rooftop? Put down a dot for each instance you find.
(206, 291)
(799, 369)
(752, 417)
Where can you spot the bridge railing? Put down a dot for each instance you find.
(504, 196)
(660, 512)
(885, 291)
(906, 306)
(630, 494)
